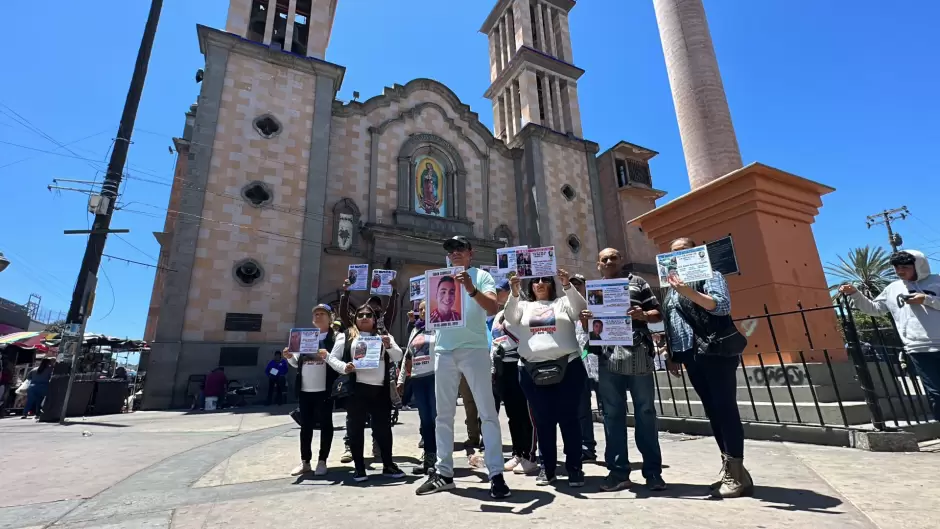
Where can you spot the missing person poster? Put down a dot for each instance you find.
(382, 282)
(611, 330)
(418, 288)
(688, 265)
(498, 275)
(367, 352)
(445, 299)
(304, 341)
(536, 262)
(506, 258)
(358, 277)
(608, 296)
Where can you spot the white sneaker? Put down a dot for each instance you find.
(529, 468)
(302, 469)
(513, 462)
(321, 469)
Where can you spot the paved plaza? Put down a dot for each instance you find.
(209, 470)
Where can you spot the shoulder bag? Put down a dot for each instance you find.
(345, 384)
(725, 340)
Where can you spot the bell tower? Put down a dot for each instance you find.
(533, 78)
(298, 26)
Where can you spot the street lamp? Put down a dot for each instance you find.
(4, 262)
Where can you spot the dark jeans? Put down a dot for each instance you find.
(376, 402)
(715, 380)
(276, 390)
(423, 396)
(35, 394)
(613, 389)
(521, 430)
(586, 418)
(557, 405)
(927, 366)
(315, 407)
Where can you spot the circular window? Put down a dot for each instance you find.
(258, 194)
(248, 272)
(267, 126)
(574, 243)
(569, 192)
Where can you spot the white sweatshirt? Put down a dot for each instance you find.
(546, 329)
(372, 377)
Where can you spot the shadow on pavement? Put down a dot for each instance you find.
(797, 500)
(93, 423)
(529, 500)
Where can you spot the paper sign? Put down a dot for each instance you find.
(498, 275)
(358, 277)
(608, 296)
(506, 258)
(688, 265)
(367, 352)
(382, 282)
(273, 372)
(445, 299)
(418, 286)
(536, 262)
(611, 330)
(304, 341)
(421, 361)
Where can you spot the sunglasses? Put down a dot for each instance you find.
(543, 280)
(365, 315)
(458, 250)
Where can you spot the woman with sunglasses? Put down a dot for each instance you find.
(370, 395)
(552, 374)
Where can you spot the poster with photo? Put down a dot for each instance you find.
(611, 330)
(381, 284)
(417, 288)
(358, 277)
(367, 351)
(506, 258)
(445, 299)
(688, 265)
(498, 275)
(304, 341)
(542, 320)
(536, 262)
(608, 296)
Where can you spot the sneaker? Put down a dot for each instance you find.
(513, 462)
(304, 468)
(576, 479)
(392, 471)
(477, 461)
(498, 487)
(613, 483)
(588, 456)
(435, 483)
(321, 469)
(360, 476)
(656, 483)
(426, 466)
(527, 467)
(544, 479)
(347, 457)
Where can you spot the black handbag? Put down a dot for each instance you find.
(345, 384)
(726, 341)
(547, 373)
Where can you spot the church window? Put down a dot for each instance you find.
(248, 272)
(258, 20)
(568, 192)
(538, 87)
(301, 27)
(258, 194)
(267, 126)
(621, 167)
(574, 243)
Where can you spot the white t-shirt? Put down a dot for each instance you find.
(546, 328)
(372, 377)
(313, 370)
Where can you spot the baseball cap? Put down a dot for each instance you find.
(457, 242)
(325, 307)
(503, 285)
(578, 277)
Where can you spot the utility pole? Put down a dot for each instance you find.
(78, 312)
(886, 217)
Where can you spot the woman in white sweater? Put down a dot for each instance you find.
(370, 396)
(552, 374)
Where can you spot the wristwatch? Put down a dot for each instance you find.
(475, 292)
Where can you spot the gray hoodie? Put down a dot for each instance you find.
(919, 325)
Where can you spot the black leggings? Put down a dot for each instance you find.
(315, 407)
(369, 400)
(521, 429)
(715, 380)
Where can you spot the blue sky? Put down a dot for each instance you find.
(843, 96)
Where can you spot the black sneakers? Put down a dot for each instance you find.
(360, 476)
(544, 479)
(435, 483)
(576, 479)
(392, 471)
(498, 487)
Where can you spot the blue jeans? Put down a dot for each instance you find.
(613, 390)
(927, 366)
(555, 407)
(35, 394)
(422, 395)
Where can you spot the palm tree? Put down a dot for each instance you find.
(868, 269)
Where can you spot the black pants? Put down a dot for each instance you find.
(369, 400)
(715, 380)
(315, 407)
(521, 430)
(276, 389)
(556, 407)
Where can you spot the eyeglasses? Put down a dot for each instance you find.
(364, 315)
(543, 280)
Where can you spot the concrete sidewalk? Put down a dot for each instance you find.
(208, 470)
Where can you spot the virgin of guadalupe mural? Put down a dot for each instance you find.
(429, 187)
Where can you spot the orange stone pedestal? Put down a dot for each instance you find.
(768, 214)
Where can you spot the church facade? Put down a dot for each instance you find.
(280, 186)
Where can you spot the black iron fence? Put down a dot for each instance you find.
(858, 379)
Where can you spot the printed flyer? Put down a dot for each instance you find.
(688, 265)
(611, 330)
(418, 287)
(304, 341)
(506, 258)
(536, 262)
(382, 282)
(358, 277)
(367, 352)
(445, 299)
(498, 275)
(608, 296)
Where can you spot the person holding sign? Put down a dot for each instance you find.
(465, 350)
(418, 371)
(370, 395)
(553, 375)
(313, 380)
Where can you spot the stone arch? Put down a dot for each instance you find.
(503, 232)
(455, 173)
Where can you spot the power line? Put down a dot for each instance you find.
(131, 261)
(127, 242)
(886, 217)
